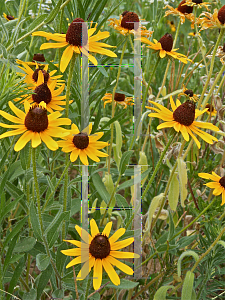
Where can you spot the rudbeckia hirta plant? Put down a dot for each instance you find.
(8, 17)
(35, 125)
(46, 93)
(215, 20)
(83, 144)
(125, 24)
(31, 77)
(217, 183)
(182, 119)
(119, 98)
(165, 47)
(100, 251)
(189, 94)
(77, 41)
(183, 11)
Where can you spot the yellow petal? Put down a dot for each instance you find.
(107, 229)
(66, 57)
(23, 140)
(124, 268)
(49, 142)
(121, 254)
(83, 234)
(86, 268)
(110, 271)
(94, 228)
(36, 140)
(97, 276)
(116, 235)
(53, 45)
(122, 244)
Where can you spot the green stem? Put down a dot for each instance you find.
(113, 104)
(211, 67)
(66, 179)
(87, 288)
(149, 82)
(158, 165)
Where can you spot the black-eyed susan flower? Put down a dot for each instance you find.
(38, 60)
(188, 94)
(198, 3)
(8, 17)
(83, 144)
(215, 20)
(77, 42)
(35, 125)
(183, 11)
(119, 98)
(100, 251)
(46, 93)
(172, 25)
(217, 183)
(125, 24)
(31, 78)
(182, 119)
(164, 46)
(211, 110)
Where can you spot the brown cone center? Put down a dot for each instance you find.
(222, 181)
(39, 57)
(100, 246)
(75, 36)
(36, 119)
(42, 93)
(167, 42)
(189, 93)
(221, 15)
(35, 75)
(81, 140)
(185, 113)
(197, 1)
(224, 47)
(184, 9)
(210, 107)
(10, 17)
(119, 97)
(128, 20)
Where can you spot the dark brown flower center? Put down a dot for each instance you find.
(167, 42)
(128, 20)
(185, 113)
(184, 9)
(119, 97)
(224, 47)
(210, 107)
(38, 57)
(189, 93)
(36, 119)
(100, 246)
(221, 15)
(42, 93)
(75, 36)
(35, 75)
(10, 17)
(222, 181)
(197, 1)
(125, 12)
(81, 140)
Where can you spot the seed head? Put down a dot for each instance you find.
(36, 119)
(100, 246)
(189, 93)
(35, 75)
(128, 19)
(184, 9)
(222, 181)
(119, 97)
(221, 15)
(185, 113)
(167, 42)
(75, 36)
(42, 93)
(39, 57)
(81, 140)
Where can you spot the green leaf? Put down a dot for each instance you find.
(9, 207)
(15, 278)
(32, 295)
(188, 286)
(124, 161)
(130, 182)
(61, 258)
(182, 172)
(161, 293)
(152, 208)
(52, 231)
(43, 280)
(15, 230)
(101, 189)
(36, 22)
(172, 226)
(24, 153)
(9, 252)
(25, 244)
(124, 284)
(173, 195)
(35, 222)
(53, 13)
(42, 261)
(117, 147)
(121, 201)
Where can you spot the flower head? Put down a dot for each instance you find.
(8, 17)
(78, 39)
(165, 46)
(35, 125)
(83, 144)
(125, 24)
(211, 110)
(198, 3)
(182, 119)
(119, 98)
(215, 20)
(46, 93)
(99, 251)
(217, 183)
(31, 78)
(182, 11)
(189, 94)
(172, 25)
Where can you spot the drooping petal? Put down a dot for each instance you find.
(36, 140)
(49, 142)
(97, 276)
(124, 268)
